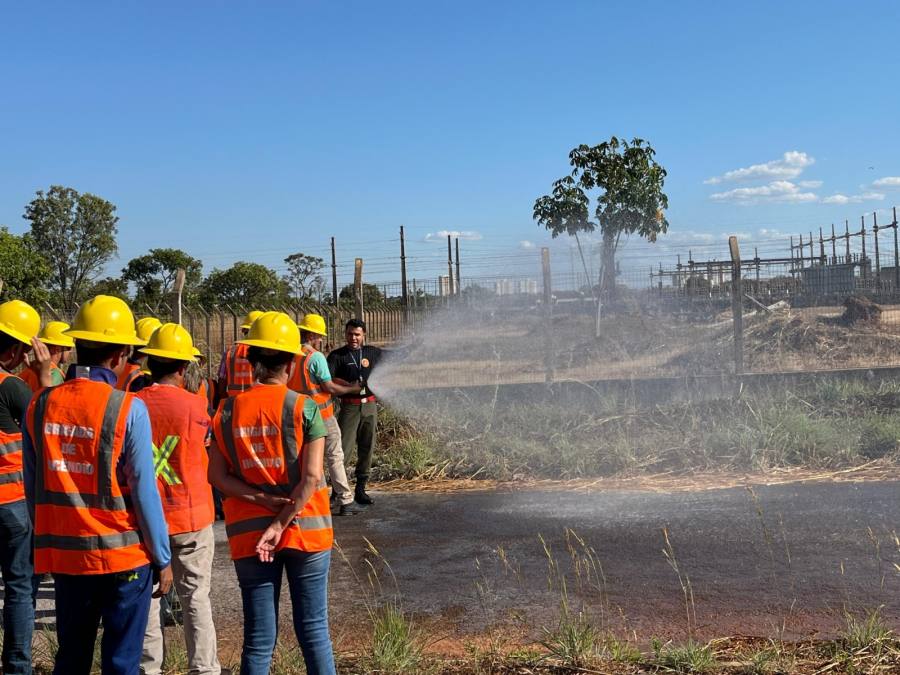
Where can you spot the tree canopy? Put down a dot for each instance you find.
(153, 275)
(626, 183)
(371, 294)
(244, 284)
(304, 275)
(76, 233)
(23, 270)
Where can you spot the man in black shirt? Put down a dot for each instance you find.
(358, 414)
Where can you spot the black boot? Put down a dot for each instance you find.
(350, 509)
(360, 496)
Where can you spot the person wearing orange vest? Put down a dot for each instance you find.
(58, 346)
(180, 424)
(235, 371)
(135, 366)
(267, 458)
(312, 378)
(19, 324)
(99, 527)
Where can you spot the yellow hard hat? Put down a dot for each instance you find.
(107, 319)
(19, 320)
(313, 323)
(197, 353)
(52, 334)
(250, 318)
(170, 341)
(145, 327)
(274, 330)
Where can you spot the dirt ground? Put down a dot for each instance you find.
(516, 349)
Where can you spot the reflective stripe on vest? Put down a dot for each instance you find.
(12, 481)
(82, 530)
(238, 371)
(260, 524)
(248, 445)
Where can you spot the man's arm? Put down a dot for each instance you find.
(320, 372)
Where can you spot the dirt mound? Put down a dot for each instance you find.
(859, 309)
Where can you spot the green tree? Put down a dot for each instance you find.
(23, 270)
(303, 274)
(76, 233)
(245, 285)
(153, 275)
(626, 183)
(115, 286)
(371, 294)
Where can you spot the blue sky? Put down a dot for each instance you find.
(254, 130)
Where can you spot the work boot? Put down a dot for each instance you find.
(346, 510)
(360, 496)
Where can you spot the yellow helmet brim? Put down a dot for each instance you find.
(266, 344)
(58, 342)
(90, 336)
(165, 354)
(18, 335)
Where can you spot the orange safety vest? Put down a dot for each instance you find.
(238, 371)
(12, 482)
(83, 521)
(260, 435)
(302, 383)
(180, 425)
(131, 372)
(32, 378)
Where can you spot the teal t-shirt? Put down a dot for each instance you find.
(318, 369)
(313, 424)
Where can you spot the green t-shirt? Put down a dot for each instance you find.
(57, 375)
(318, 369)
(313, 424)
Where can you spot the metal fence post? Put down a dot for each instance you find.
(737, 305)
(548, 315)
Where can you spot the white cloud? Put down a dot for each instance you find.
(853, 199)
(781, 191)
(791, 165)
(811, 184)
(527, 245)
(442, 235)
(887, 182)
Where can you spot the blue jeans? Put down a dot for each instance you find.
(307, 576)
(121, 600)
(18, 594)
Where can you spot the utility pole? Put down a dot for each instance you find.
(403, 292)
(334, 291)
(358, 287)
(458, 278)
(449, 265)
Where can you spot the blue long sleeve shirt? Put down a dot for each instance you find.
(135, 468)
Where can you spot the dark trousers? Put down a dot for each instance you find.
(121, 601)
(358, 423)
(18, 590)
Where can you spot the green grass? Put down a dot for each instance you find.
(690, 657)
(829, 426)
(396, 643)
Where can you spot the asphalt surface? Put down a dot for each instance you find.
(788, 561)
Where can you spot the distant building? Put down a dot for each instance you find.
(443, 285)
(828, 279)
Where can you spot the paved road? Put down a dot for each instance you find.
(795, 556)
(793, 559)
